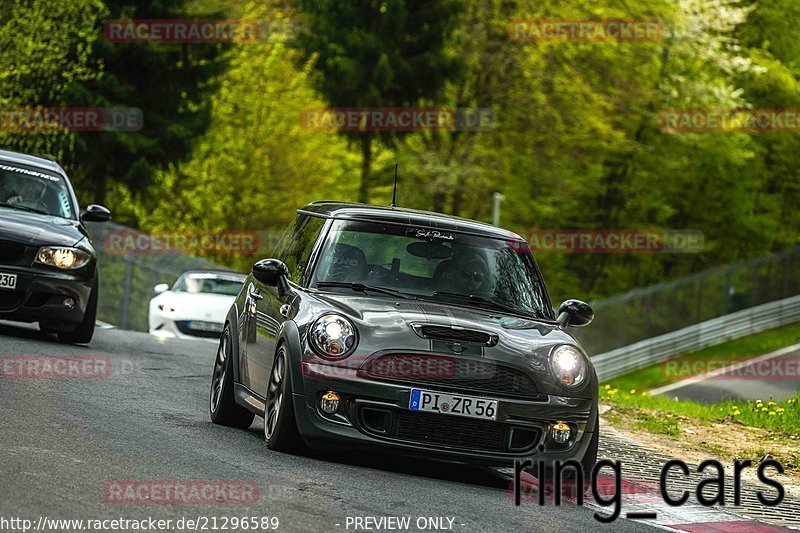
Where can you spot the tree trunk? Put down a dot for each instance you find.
(366, 163)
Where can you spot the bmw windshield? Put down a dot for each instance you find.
(440, 265)
(34, 190)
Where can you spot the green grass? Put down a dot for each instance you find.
(698, 362)
(657, 412)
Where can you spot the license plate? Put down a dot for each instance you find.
(452, 404)
(200, 325)
(8, 281)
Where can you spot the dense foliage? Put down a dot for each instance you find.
(577, 141)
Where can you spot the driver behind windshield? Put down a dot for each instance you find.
(21, 190)
(36, 192)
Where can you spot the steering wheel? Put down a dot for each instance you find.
(34, 204)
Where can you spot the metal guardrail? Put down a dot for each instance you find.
(709, 333)
(640, 314)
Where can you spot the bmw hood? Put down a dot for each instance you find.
(34, 229)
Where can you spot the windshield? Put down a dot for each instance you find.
(438, 265)
(34, 190)
(210, 284)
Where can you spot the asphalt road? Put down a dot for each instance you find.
(774, 376)
(64, 440)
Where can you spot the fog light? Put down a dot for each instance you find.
(329, 402)
(560, 432)
(69, 303)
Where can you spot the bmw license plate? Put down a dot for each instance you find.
(8, 281)
(452, 404)
(201, 325)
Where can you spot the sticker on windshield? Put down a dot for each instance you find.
(30, 172)
(431, 234)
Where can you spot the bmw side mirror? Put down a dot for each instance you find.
(96, 213)
(273, 273)
(575, 313)
(161, 287)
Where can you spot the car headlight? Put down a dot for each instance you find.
(568, 366)
(62, 257)
(333, 336)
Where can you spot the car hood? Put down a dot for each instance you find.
(398, 315)
(386, 324)
(196, 306)
(35, 229)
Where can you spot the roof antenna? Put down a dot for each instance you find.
(394, 191)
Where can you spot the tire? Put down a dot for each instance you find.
(590, 457)
(222, 405)
(84, 332)
(280, 426)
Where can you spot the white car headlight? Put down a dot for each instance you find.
(568, 366)
(333, 336)
(63, 257)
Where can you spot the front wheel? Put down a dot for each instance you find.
(224, 409)
(280, 426)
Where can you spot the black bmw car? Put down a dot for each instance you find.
(48, 267)
(410, 331)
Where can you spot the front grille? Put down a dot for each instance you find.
(10, 299)
(450, 372)
(183, 327)
(471, 336)
(452, 431)
(11, 252)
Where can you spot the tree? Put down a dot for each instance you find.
(46, 48)
(378, 53)
(170, 82)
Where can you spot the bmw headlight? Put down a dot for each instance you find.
(62, 257)
(568, 366)
(333, 336)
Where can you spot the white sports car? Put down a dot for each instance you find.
(196, 306)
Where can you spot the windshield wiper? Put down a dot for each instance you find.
(356, 286)
(481, 301)
(23, 208)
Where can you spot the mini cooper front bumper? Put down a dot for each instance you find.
(374, 412)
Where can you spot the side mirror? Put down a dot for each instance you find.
(96, 213)
(161, 287)
(273, 273)
(575, 313)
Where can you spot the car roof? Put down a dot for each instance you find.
(405, 216)
(32, 160)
